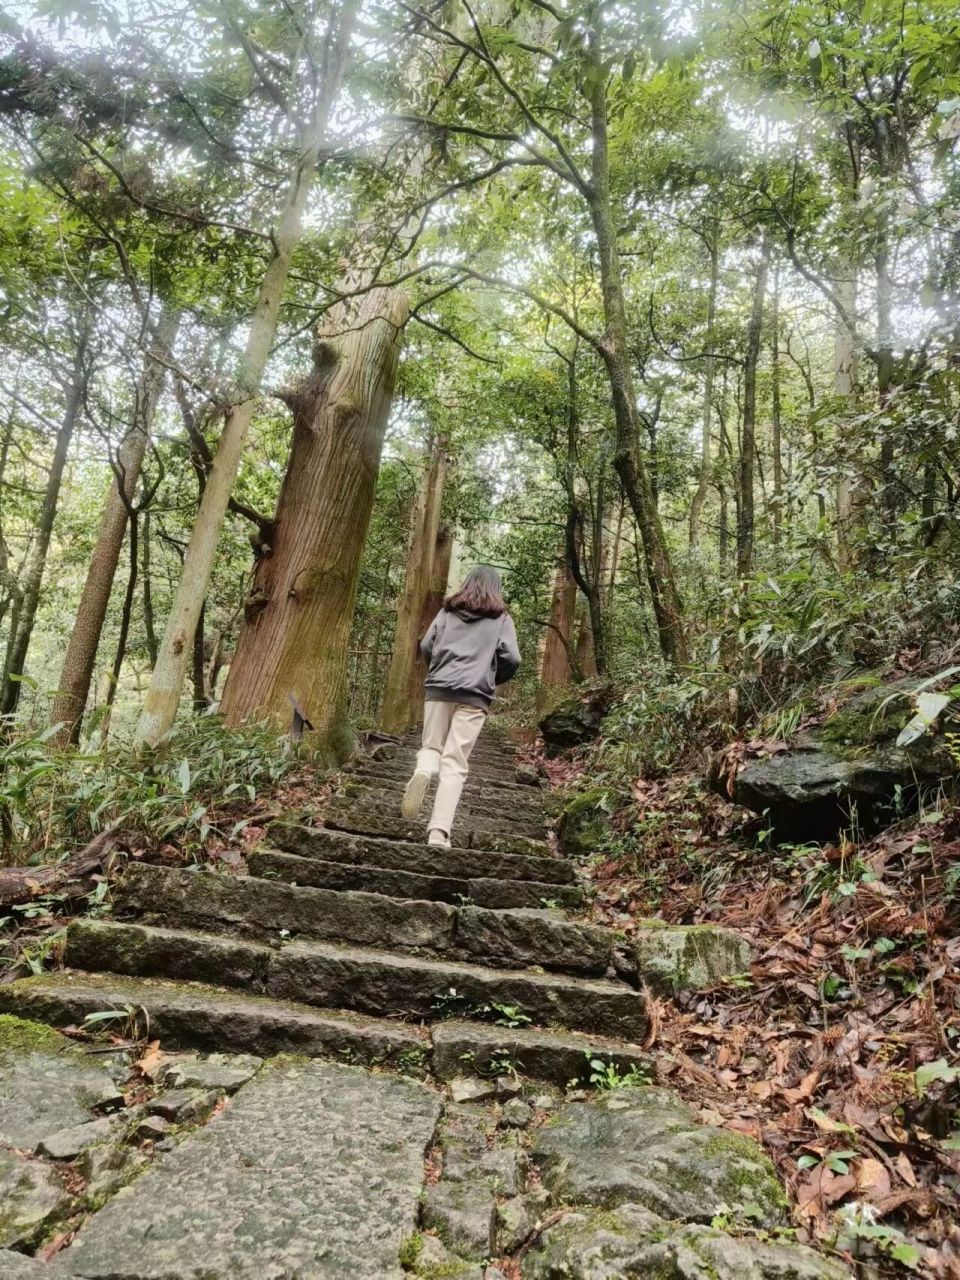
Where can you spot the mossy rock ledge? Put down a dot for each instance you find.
(574, 721)
(848, 774)
(584, 820)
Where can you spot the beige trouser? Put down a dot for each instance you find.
(449, 731)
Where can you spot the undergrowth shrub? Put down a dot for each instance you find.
(53, 800)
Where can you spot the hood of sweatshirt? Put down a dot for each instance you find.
(468, 615)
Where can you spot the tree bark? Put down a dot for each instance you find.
(775, 409)
(30, 599)
(126, 615)
(628, 460)
(703, 484)
(845, 379)
(400, 700)
(296, 633)
(745, 521)
(163, 696)
(555, 664)
(77, 672)
(148, 623)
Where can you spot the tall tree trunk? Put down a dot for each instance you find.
(437, 591)
(198, 673)
(126, 614)
(400, 701)
(148, 623)
(371, 701)
(163, 696)
(585, 652)
(888, 497)
(703, 484)
(745, 522)
(845, 379)
(295, 638)
(29, 601)
(78, 663)
(628, 460)
(555, 664)
(775, 408)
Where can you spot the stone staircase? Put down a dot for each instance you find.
(353, 939)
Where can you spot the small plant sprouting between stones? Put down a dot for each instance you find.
(607, 1075)
(451, 1004)
(859, 1223)
(130, 1014)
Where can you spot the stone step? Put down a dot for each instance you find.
(388, 791)
(271, 909)
(359, 979)
(190, 1015)
(402, 765)
(479, 815)
(372, 821)
(481, 891)
(465, 864)
(523, 793)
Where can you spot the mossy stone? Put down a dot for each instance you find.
(584, 820)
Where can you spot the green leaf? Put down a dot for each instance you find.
(938, 1070)
(183, 773)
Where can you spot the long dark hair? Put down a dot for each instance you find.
(479, 592)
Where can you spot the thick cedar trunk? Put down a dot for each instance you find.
(745, 521)
(163, 696)
(628, 460)
(585, 652)
(30, 599)
(555, 665)
(198, 674)
(703, 484)
(439, 582)
(295, 639)
(400, 697)
(77, 672)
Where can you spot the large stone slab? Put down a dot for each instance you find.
(47, 1090)
(511, 940)
(314, 1171)
(370, 820)
(31, 1198)
(267, 907)
(189, 1015)
(671, 958)
(632, 1241)
(643, 1146)
(465, 864)
(558, 1057)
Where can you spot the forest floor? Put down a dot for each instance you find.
(836, 1053)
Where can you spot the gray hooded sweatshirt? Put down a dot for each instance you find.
(467, 655)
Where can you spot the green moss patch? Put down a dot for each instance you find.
(18, 1035)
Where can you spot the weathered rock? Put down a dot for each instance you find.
(151, 1129)
(464, 1216)
(469, 1157)
(515, 938)
(518, 1217)
(184, 1106)
(584, 821)
(46, 1091)
(472, 1089)
(68, 1143)
(572, 722)
(546, 1055)
(266, 1190)
(508, 1087)
(672, 958)
(31, 1198)
(849, 769)
(213, 1071)
(107, 1168)
(516, 1114)
(527, 776)
(631, 1241)
(643, 1146)
(427, 1256)
(17, 1266)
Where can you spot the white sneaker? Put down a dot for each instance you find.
(438, 837)
(412, 801)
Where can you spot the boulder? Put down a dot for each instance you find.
(848, 773)
(644, 1146)
(573, 722)
(584, 821)
(671, 958)
(31, 1198)
(632, 1241)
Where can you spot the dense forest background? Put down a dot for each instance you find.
(654, 307)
